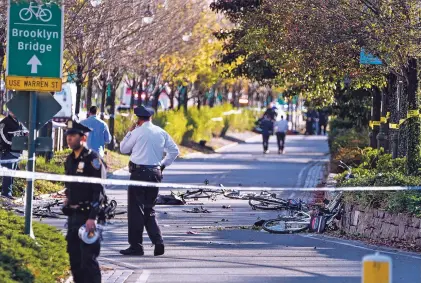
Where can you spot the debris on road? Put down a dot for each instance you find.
(226, 206)
(197, 210)
(192, 233)
(169, 200)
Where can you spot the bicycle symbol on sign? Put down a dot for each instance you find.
(36, 10)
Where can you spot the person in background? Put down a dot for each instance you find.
(99, 135)
(281, 129)
(9, 127)
(146, 144)
(323, 120)
(271, 112)
(267, 130)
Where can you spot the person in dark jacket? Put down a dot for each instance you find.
(323, 120)
(9, 127)
(267, 130)
(82, 205)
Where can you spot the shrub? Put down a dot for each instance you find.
(122, 125)
(174, 122)
(24, 260)
(200, 122)
(193, 124)
(349, 138)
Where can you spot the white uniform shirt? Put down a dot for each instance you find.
(281, 126)
(146, 145)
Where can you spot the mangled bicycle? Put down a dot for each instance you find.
(317, 220)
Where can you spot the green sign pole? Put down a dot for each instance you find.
(34, 63)
(31, 162)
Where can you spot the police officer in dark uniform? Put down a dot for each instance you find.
(82, 205)
(9, 127)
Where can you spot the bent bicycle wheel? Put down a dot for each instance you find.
(265, 205)
(286, 225)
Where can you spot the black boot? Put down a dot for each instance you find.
(159, 250)
(133, 251)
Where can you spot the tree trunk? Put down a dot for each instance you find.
(103, 96)
(413, 153)
(393, 93)
(171, 97)
(155, 94)
(79, 81)
(132, 97)
(375, 116)
(111, 121)
(403, 110)
(139, 91)
(199, 101)
(382, 136)
(89, 91)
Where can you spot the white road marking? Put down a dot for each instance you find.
(144, 276)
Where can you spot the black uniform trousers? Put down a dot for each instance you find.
(265, 141)
(83, 257)
(141, 212)
(281, 140)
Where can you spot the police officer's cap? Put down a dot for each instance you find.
(142, 111)
(73, 127)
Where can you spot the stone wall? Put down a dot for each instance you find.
(381, 225)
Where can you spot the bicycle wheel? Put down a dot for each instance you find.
(265, 204)
(286, 225)
(45, 15)
(45, 214)
(25, 14)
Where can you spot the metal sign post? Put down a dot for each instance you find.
(34, 63)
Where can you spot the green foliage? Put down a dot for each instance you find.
(200, 122)
(372, 167)
(55, 166)
(195, 124)
(174, 122)
(379, 169)
(348, 138)
(24, 260)
(122, 125)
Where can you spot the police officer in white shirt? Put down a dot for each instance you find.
(146, 143)
(281, 129)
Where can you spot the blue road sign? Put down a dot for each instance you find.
(369, 59)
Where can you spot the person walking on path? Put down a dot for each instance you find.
(324, 118)
(9, 127)
(146, 143)
(82, 205)
(99, 135)
(267, 130)
(281, 129)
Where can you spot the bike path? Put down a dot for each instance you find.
(215, 247)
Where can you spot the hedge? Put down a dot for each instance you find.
(194, 124)
(25, 260)
(371, 167)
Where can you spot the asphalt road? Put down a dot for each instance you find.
(213, 248)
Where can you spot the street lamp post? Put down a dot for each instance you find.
(148, 17)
